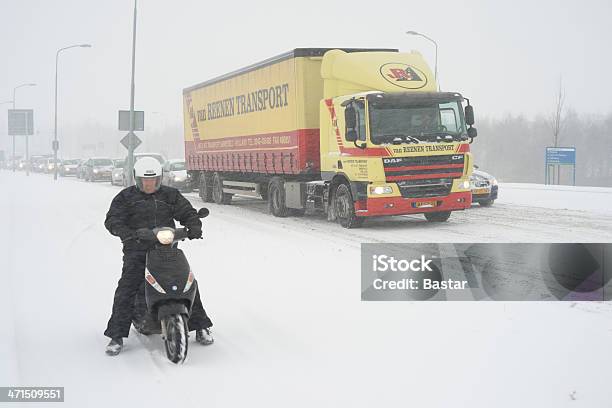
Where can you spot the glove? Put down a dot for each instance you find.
(194, 233)
(145, 234)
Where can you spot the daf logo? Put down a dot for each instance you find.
(457, 157)
(392, 160)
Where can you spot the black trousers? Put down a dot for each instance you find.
(131, 286)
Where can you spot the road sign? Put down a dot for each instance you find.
(124, 120)
(20, 122)
(561, 155)
(132, 139)
(556, 157)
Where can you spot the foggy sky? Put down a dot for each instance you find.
(507, 57)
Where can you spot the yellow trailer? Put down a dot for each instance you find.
(353, 132)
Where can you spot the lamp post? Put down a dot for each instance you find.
(27, 159)
(55, 143)
(436, 61)
(6, 103)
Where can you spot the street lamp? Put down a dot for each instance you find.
(6, 103)
(27, 160)
(55, 144)
(436, 44)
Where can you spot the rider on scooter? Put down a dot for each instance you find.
(133, 213)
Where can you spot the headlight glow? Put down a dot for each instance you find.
(165, 237)
(494, 182)
(465, 185)
(381, 190)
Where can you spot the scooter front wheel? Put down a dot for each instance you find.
(176, 338)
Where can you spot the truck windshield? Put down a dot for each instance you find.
(393, 120)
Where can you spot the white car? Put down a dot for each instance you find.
(175, 175)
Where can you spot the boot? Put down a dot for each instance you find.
(204, 337)
(115, 346)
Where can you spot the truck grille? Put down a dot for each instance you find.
(430, 176)
(425, 188)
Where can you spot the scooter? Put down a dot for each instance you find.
(170, 290)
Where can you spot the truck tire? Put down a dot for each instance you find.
(218, 196)
(344, 207)
(276, 197)
(438, 216)
(205, 187)
(486, 203)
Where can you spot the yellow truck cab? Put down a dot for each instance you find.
(356, 133)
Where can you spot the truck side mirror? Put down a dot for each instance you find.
(472, 133)
(203, 212)
(350, 117)
(469, 115)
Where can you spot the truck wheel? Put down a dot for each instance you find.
(344, 207)
(486, 203)
(437, 216)
(276, 197)
(218, 196)
(205, 188)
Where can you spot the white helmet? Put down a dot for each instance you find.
(147, 167)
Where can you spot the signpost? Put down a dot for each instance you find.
(557, 157)
(21, 123)
(124, 120)
(130, 141)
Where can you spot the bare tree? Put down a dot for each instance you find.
(557, 118)
(556, 121)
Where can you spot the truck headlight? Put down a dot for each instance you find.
(95, 171)
(381, 190)
(465, 185)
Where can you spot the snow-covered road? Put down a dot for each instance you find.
(290, 328)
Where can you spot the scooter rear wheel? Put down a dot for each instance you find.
(176, 341)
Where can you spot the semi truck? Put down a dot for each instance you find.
(355, 133)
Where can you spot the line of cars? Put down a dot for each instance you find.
(105, 169)
(484, 186)
(114, 170)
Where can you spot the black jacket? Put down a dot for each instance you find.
(132, 209)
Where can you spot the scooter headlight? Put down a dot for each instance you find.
(190, 280)
(165, 237)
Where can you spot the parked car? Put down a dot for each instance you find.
(117, 174)
(138, 156)
(175, 175)
(484, 187)
(69, 167)
(98, 168)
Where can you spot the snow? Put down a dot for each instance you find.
(592, 199)
(284, 295)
